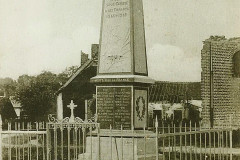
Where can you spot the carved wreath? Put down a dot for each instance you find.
(140, 104)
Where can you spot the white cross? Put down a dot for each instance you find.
(71, 106)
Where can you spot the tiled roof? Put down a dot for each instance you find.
(174, 92)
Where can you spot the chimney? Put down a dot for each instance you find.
(84, 57)
(95, 51)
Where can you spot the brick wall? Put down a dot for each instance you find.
(225, 87)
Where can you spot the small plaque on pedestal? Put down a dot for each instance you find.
(140, 108)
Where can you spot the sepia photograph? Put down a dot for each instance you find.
(119, 80)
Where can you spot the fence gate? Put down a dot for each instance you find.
(66, 139)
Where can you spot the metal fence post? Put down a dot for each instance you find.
(230, 134)
(156, 125)
(181, 141)
(190, 137)
(99, 142)
(48, 142)
(0, 136)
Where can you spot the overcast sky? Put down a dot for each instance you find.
(37, 35)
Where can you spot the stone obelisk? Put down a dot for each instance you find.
(122, 83)
(122, 79)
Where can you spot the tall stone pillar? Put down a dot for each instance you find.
(122, 83)
(122, 79)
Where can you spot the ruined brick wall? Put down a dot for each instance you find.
(225, 87)
(205, 83)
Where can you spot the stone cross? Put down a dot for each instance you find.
(71, 106)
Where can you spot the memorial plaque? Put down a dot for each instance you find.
(141, 108)
(114, 107)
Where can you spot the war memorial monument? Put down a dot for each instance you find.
(122, 78)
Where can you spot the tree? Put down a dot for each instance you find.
(37, 94)
(25, 80)
(66, 74)
(8, 85)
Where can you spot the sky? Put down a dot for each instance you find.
(50, 34)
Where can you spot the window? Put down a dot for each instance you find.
(236, 64)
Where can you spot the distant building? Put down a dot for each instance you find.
(174, 92)
(78, 88)
(16, 106)
(175, 102)
(2, 93)
(6, 109)
(220, 81)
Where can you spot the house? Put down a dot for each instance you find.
(174, 102)
(6, 109)
(2, 93)
(78, 88)
(16, 106)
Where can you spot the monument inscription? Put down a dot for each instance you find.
(114, 107)
(115, 47)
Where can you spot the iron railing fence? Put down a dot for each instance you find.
(23, 141)
(189, 143)
(65, 140)
(194, 143)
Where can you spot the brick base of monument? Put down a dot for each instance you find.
(117, 148)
